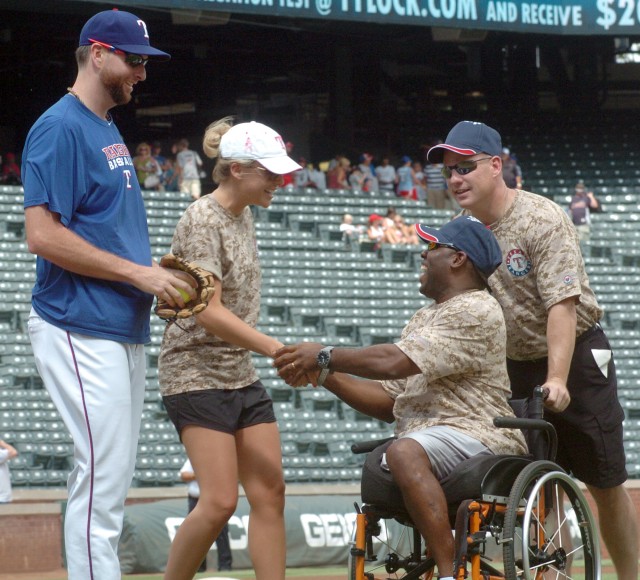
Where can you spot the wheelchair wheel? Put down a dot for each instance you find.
(541, 541)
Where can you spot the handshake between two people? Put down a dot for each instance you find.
(297, 364)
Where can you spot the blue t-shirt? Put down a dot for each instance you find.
(405, 179)
(79, 167)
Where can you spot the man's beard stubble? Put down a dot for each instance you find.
(114, 86)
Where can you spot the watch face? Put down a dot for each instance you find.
(323, 359)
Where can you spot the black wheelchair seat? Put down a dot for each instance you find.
(482, 476)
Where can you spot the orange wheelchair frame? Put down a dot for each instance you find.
(528, 507)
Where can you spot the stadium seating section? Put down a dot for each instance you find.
(319, 288)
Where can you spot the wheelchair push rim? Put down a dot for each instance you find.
(540, 543)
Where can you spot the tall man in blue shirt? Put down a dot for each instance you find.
(86, 221)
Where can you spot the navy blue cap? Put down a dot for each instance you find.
(468, 138)
(121, 30)
(471, 237)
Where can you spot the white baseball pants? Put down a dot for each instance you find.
(97, 386)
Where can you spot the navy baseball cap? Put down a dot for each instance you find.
(470, 236)
(468, 138)
(122, 30)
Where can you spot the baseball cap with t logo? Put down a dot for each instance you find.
(122, 31)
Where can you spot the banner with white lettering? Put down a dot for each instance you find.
(568, 17)
(318, 529)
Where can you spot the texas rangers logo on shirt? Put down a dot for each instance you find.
(518, 263)
(117, 155)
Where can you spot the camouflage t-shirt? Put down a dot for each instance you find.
(459, 345)
(224, 244)
(541, 266)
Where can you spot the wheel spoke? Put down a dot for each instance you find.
(547, 548)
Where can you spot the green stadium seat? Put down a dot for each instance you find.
(312, 283)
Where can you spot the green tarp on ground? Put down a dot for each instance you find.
(318, 532)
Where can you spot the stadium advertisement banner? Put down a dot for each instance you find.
(318, 530)
(567, 17)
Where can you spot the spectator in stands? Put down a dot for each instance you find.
(388, 217)
(405, 234)
(421, 181)
(583, 203)
(170, 176)
(337, 160)
(350, 231)
(147, 168)
(317, 177)
(225, 558)
(511, 172)
(443, 382)
(407, 179)
(95, 281)
(7, 452)
(437, 195)
(338, 175)
(386, 174)
(156, 152)
(302, 178)
(208, 381)
(553, 333)
(10, 170)
(288, 178)
(365, 164)
(188, 166)
(376, 231)
(357, 179)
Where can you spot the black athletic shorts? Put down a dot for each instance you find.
(590, 429)
(226, 410)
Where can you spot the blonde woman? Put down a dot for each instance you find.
(147, 168)
(209, 385)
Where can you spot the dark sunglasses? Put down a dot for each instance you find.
(133, 60)
(462, 168)
(435, 245)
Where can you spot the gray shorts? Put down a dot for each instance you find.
(446, 448)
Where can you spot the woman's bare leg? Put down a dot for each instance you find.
(214, 461)
(260, 469)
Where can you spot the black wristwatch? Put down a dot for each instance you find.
(324, 359)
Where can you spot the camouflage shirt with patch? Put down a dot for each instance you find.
(224, 244)
(459, 345)
(541, 266)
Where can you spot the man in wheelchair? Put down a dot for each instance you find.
(443, 382)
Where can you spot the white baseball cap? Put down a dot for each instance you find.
(257, 141)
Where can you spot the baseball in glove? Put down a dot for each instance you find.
(204, 290)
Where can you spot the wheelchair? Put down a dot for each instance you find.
(514, 517)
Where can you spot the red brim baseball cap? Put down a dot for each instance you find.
(122, 30)
(468, 138)
(470, 236)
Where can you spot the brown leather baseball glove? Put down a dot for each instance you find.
(204, 290)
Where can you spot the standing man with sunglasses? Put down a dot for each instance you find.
(553, 335)
(95, 282)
